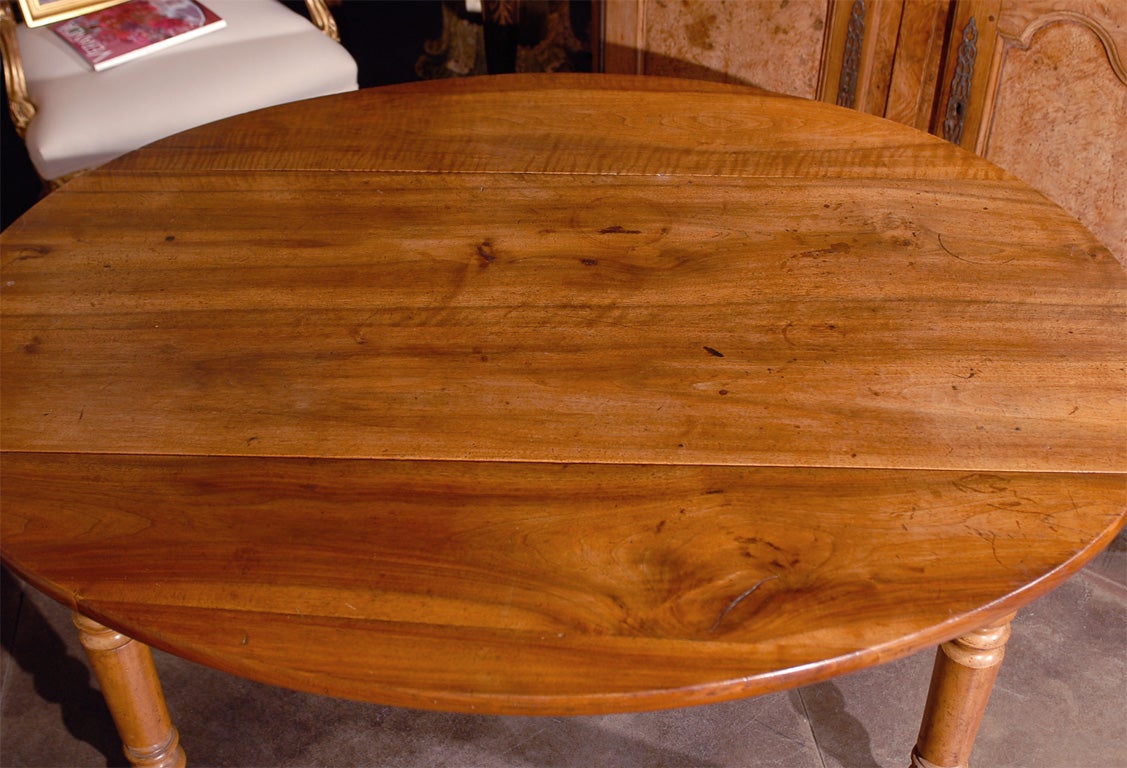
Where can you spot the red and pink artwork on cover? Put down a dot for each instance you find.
(123, 32)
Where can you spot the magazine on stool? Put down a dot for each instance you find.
(115, 35)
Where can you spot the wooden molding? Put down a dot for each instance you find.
(1023, 40)
(1033, 26)
(857, 59)
(915, 68)
(984, 14)
(624, 36)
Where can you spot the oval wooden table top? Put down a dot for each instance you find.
(556, 395)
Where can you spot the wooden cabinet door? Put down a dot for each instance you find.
(883, 57)
(1039, 87)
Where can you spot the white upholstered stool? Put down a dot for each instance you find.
(78, 119)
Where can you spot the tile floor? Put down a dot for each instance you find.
(1060, 702)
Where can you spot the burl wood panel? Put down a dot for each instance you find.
(1060, 123)
(775, 44)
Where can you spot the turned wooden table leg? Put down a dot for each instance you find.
(961, 681)
(132, 691)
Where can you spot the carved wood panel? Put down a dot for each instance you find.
(1046, 99)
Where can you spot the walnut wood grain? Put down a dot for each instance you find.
(589, 282)
(472, 586)
(579, 394)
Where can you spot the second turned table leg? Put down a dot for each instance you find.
(132, 691)
(961, 681)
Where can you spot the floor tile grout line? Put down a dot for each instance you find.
(1106, 581)
(810, 725)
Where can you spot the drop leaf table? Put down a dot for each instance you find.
(555, 395)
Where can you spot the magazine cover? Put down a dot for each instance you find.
(119, 34)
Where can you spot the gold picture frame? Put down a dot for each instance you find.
(36, 13)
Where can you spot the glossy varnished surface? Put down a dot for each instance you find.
(556, 395)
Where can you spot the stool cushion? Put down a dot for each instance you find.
(266, 55)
